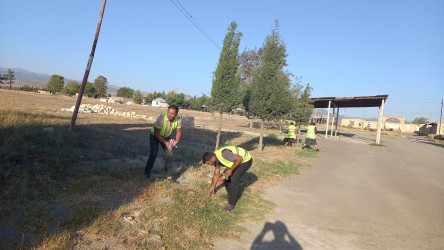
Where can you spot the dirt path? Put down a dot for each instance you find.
(357, 196)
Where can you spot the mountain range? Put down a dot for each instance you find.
(24, 77)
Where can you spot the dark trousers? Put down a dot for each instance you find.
(154, 147)
(232, 184)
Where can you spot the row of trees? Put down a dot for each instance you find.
(96, 89)
(172, 98)
(257, 81)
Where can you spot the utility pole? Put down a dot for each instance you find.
(440, 118)
(88, 68)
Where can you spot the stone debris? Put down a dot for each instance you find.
(104, 110)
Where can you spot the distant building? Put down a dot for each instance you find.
(386, 124)
(121, 100)
(159, 102)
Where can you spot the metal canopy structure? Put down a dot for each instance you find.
(351, 102)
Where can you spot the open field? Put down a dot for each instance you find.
(85, 189)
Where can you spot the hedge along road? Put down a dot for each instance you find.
(357, 196)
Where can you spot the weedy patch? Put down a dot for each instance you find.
(62, 190)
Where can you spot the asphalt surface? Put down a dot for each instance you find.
(357, 196)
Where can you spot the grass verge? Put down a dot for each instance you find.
(51, 204)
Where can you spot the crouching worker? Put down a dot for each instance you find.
(231, 163)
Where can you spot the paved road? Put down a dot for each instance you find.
(357, 196)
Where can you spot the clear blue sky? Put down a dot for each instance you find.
(342, 48)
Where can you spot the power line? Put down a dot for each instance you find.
(194, 22)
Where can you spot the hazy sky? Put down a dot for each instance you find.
(342, 48)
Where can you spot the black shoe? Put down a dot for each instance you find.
(228, 208)
(317, 149)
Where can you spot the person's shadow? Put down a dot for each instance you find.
(282, 238)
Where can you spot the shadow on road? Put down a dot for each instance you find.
(282, 238)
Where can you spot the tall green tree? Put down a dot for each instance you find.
(125, 92)
(173, 98)
(200, 103)
(302, 107)
(89, 90)
(9, 77)
(138, 97)
(270, 86)
(100, 86)
(249, 60)
(2, 79)
(72, 87)
(55, 83)
(225, 88)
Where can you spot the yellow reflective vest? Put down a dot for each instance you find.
(165, 120)
(291, 132)
(237, 151)
(311, 132)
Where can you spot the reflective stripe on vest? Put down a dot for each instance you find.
(237, 151)
(291, 132)
(311, 132)
(165, 120)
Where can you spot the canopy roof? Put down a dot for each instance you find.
(350, 102)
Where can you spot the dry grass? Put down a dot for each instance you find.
(86, 188)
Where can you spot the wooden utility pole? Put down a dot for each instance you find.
(88, 67)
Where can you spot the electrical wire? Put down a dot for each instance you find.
(180, 7)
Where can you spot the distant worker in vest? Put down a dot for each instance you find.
(230, 164)
(310, 138)
(160, 133)
(290, 138)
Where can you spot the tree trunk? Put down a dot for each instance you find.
(261, 137)
(251, 123)
(219, 128)
(299, 134)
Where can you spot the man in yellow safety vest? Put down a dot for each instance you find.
(160, 133)
(290, 138)
(234, 161)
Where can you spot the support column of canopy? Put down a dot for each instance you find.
(336, 124)
(328, 119)
(378, 133)
(332, 122)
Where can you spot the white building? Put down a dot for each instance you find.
(159, 102)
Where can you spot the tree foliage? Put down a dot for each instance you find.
(138, 97)
(72, 88)
(270, 86)
(199, 103)
(173, 98)
(151, 96)
(125, 92)
(2, 79)
(225, 88)
(100, 86)
(55, 83)
(420, 120)
(302, 108)
(249, 60)
(9, 77)
(89, 90)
